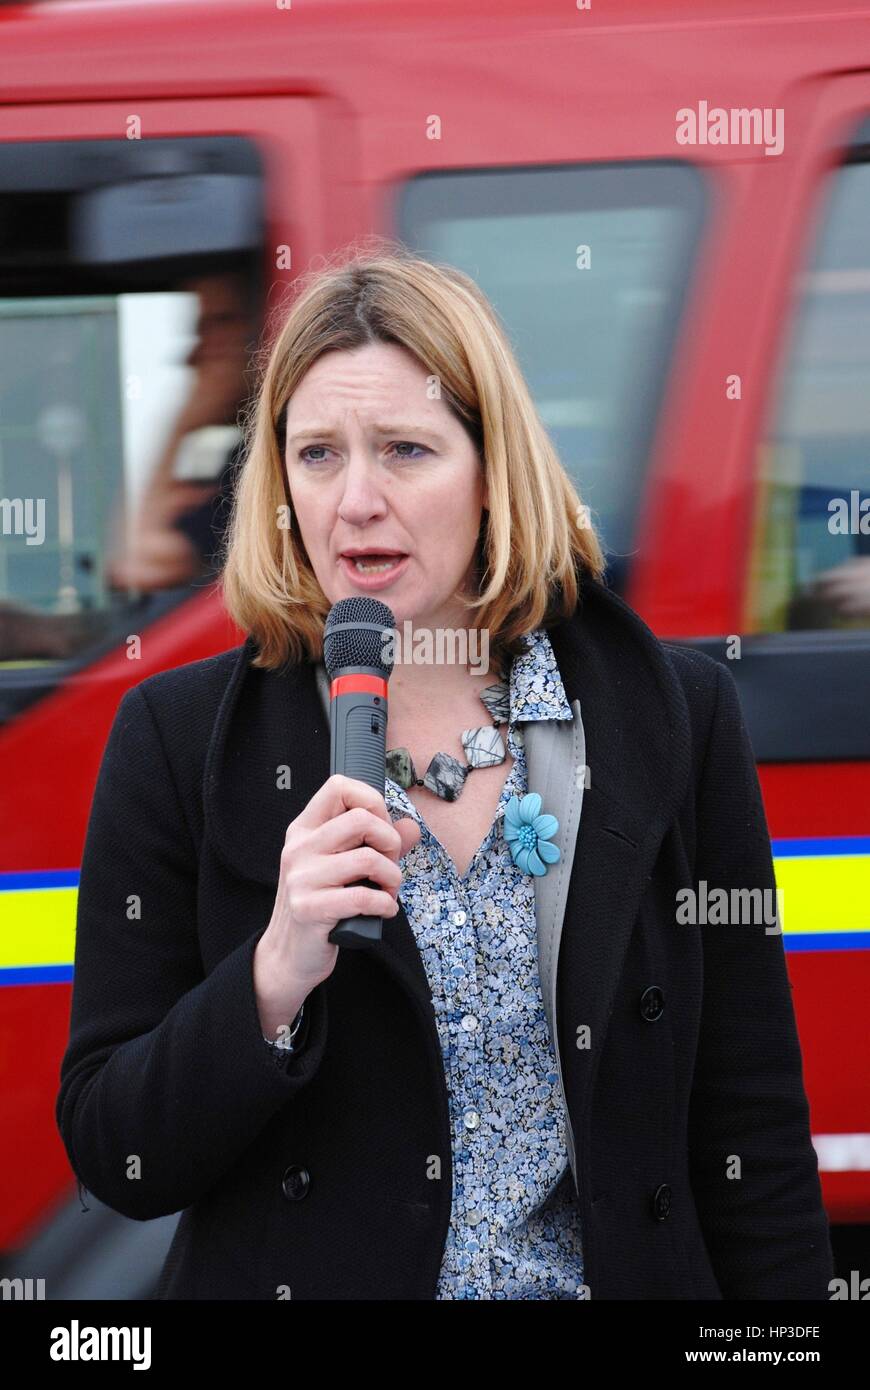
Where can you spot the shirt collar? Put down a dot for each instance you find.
(536, 689)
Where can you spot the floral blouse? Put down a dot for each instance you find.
(514, 1227)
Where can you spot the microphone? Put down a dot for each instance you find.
(353, 642)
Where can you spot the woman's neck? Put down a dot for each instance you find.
(435, 690)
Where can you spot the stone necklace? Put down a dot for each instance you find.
(445, 775)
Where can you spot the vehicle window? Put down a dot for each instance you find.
(123, 353)
(594, 343)
(810, 558)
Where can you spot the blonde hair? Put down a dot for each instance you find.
(535, 536)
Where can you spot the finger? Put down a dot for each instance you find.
(354, 828)
(342, 870)
(336, 904)
(339, 794)
(410, 834)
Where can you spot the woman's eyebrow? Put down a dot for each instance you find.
(404, 429)
(409, 428)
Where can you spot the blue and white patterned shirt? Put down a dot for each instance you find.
(515, 1225)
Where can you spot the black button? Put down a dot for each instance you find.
(662, 1202)
(295, 1183)
(652, 1003)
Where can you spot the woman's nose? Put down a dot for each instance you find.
(361, 496)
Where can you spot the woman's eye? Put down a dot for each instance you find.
(409, 444)
(305, 454)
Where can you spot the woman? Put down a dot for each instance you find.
(543, 1082)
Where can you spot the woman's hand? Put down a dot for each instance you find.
(344, 834)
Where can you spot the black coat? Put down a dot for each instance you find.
(308, 1179)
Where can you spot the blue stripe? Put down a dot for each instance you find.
(782, 849)
(39, 878)
(827, 941)
(800, 941)
(36, 975)
(819, 845)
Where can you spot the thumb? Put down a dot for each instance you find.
(409, 831)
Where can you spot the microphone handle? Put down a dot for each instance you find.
(358, 743)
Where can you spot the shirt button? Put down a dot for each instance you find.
(459, 919)
(295, 1183)
(471, 1119)
(474, 1218)
(662, 1202)
(469, 1023)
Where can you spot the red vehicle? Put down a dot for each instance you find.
(668, 205)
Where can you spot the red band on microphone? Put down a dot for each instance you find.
(358, 685)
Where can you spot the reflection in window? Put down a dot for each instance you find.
(118, 440)
(810, 565)
(594, 343)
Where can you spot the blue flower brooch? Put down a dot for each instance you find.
(529, 834)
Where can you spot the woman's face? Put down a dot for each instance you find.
(373, 463)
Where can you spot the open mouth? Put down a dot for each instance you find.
(374, 564)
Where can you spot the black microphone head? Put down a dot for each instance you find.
(355, 635)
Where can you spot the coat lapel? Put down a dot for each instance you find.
(633, 735)
(555, 758)
(637, 748)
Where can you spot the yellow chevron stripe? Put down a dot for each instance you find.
(824, 893)
(38, 926)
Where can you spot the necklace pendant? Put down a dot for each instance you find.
(484, 747)
(400, 767)
(445, 776)
(497, 699)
